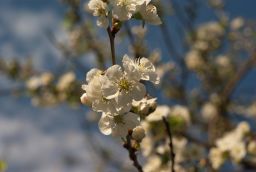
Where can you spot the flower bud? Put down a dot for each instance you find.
(138, 133)
(84, 100)
(243, 128)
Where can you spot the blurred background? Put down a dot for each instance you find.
(57, 136)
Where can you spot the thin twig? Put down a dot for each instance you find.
(112, 45)
(234, 81)
(132, 151)
(172, 154)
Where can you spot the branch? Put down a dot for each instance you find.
(172, 154)
(112, 45)
(132, 151)
(234, 82)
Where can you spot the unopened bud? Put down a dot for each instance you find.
(84, 100)
(138, 133)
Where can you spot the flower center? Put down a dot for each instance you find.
(118, 119)
(124, 84)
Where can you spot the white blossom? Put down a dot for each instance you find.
(100, 9)
(194, 60)
(209, 111)
(237, 23)
(181, 112)
(65, 81)
(161, 111)
(216, 158)
(252, 147)
(238, 151)
(124, 9)
(118, 125)
(141, 68)
(122, 87)
(149, 14)
(99, 102)
(145, 105)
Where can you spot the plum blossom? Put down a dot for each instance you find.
(124, 9)
(123, 87)
(149, 14)
(113, 93)
(118, 125)
(100, 9)
(95, 95)
(140, 68)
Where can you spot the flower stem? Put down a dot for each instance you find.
(132, 151)
(172, 155)
(112, 45)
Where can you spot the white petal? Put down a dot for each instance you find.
(130, 121)
(92, 73)
(114, 73)
(146, 64)
(103, 106)
(153, 77)
(138, 91)
(123, 99)
(105, 124)
(109, 89)
(149, 14)
(93, 90)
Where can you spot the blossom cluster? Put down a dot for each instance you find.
(115, 91)
(207, 38)
(155, 146)
(232, 145)
(123, 10)
(50, 90)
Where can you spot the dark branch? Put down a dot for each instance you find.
(132, 151)
(172, 154)
(112, 45)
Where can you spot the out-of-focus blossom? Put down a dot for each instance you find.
(237, 23)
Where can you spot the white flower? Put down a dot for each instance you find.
(141, 68)
(227, 142)
(65, 81)
(33, 83)
(181, 112)
(92, 73)
(252, 147)
(124, 9)
(147, 146)
(237, 23)
(145, 105)
(161, 111)
(216, 158)
(153, 164)
(209, 111)
(95, 95)
(37, 81)
(149, 14)
(194, 60)
(238, 151)
(243, 128)
(118, 125)
(122, 87)
(99, 9)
